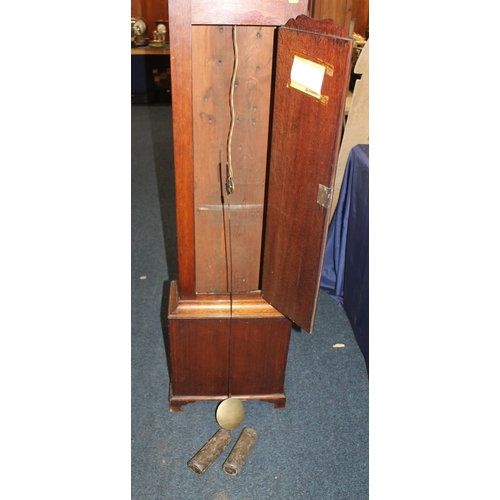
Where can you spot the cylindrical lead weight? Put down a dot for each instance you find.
(210, 451)
(234, 462)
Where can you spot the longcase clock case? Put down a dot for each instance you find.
(269, 101)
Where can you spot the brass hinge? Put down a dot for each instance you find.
(324, 196)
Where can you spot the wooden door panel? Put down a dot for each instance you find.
(306, 134)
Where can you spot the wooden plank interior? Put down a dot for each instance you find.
(230, 257)
(212, 66)
(304, 150)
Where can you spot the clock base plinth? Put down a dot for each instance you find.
(221, 346)
(177, 402)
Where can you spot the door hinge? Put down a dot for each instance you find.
(324, 196)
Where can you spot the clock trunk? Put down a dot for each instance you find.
(249, 259)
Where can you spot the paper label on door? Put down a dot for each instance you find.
(307, 76)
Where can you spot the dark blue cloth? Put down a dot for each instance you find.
(345, 267)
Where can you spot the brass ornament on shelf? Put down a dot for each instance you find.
(132, 33)
(139, 28)
(159, 35)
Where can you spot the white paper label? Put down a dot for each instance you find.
(307, 76)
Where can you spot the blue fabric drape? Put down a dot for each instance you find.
(345, 273)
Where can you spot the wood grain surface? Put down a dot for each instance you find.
(304, 149)
(228, 230)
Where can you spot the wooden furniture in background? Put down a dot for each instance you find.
(148, 51)
(150, 72)
(250, 261)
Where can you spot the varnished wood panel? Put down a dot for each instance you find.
(199, 356)
(241, 305)
(258, 355)
(256, 12)
(182, 117)
(229, 257)
(304, 150)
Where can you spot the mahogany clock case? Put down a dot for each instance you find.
(250, 261)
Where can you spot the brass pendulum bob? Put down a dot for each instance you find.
(230, 413)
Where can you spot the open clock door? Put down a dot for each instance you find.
(312, 74)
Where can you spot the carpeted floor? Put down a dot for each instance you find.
(315, 448)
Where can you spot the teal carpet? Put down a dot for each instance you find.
(316, 448)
